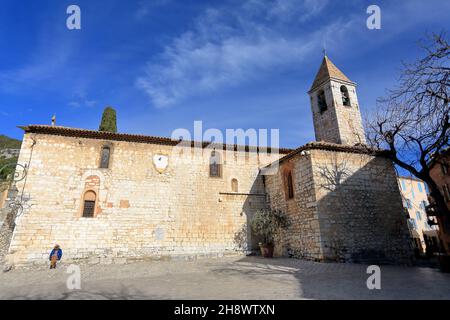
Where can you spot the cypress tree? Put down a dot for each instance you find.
(109, 122)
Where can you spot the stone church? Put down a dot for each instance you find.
(113, 197)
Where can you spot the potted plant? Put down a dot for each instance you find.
(267, 223)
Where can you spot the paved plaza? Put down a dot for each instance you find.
(225, 278)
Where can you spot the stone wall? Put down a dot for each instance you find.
(302, 239)
(4, 187)
(351, 130)
(346, 207)
(7, 219)
(338, 124)
(360, 208)
(325, 123)
(139, 211)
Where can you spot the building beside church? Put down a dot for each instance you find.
(415, 200)
(440, 173)
(111, 197)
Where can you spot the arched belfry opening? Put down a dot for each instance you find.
(345, 96)
(321, 101)
(334, 105)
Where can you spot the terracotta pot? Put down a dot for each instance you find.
(266, 250)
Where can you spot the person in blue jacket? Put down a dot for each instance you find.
(55, 256)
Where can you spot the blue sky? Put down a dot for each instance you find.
(164, 63)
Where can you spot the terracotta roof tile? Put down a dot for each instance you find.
(103, 135)
(328, 71)
(320, 145)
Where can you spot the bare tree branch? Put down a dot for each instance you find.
(412, 121)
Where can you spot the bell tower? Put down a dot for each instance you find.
(335, 107)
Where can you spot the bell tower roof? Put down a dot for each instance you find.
(328, 71)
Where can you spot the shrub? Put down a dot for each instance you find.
(267, 223)
(7, 168)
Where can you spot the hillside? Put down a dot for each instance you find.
(9, 143)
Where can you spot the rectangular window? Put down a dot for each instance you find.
(412, 223)
(412, 192)
(419, 185)
(88, 209)
(290, 186)
(408, 204)
(214, 170)
(403, 185)
(215, 165)
(321, 101)
(423, 204)
(418, 216)
(104, 161)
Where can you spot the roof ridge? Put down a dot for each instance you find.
(95, 134)
(322, 145)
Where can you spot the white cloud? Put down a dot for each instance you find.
(44, 67)
(146, 6)
(293, 9)
(80, 99)
(229, 46)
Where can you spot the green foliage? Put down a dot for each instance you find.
(267, 223)
(109, 121)
(9, 170)
(8, 143)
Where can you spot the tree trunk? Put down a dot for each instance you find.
(435, 193)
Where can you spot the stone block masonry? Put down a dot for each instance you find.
(111, 197)
(139, 212)
(346, 207)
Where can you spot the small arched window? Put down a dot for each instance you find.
(289, 185)
(89, 204)
(215, 165)
(234, 185)
(345, 96)
(321, 101)
(104, 161)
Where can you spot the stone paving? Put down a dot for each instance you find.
(225, 278)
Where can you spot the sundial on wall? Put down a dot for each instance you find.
(160, 162)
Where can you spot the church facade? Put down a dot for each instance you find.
(110, 197)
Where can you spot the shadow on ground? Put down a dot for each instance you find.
(316, 280)
(235, 278)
